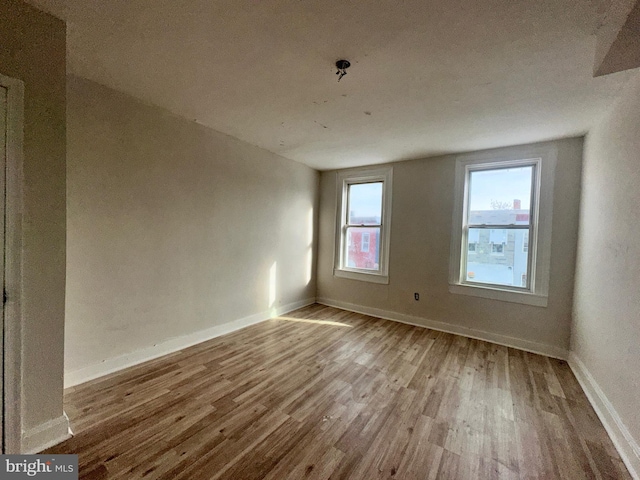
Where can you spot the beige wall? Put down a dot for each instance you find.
(33, 50)
(606, 328)
(419, 255)
(173, 228)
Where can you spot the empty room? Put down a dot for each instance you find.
(321, 239)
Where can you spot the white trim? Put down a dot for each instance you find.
(512, 296)
(115, 364)
(365, 277)
(360, 175)
(46, 435)
(624, 442)
(13, 265)
(545, 157)
(513, 342)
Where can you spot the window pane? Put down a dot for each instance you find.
(363, 248)
(495, 256)
(500, 196)
(365, 204)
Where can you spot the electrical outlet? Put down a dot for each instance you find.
(416, 296)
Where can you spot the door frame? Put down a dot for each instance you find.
(12, 364)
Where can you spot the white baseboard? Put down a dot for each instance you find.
(521, 344)
(624, 442)
(45, 435)
(111, 365)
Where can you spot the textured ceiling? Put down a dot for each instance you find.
(427, 77)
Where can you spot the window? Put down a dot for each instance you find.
(363, 220)
(497, 248)
(503, 204)
(366, 237)
(473, 238)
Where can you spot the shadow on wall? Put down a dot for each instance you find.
(296, 241)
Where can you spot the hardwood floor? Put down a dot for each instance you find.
(325, 393)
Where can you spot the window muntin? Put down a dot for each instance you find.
(363, 224)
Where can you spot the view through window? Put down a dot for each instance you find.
(364, 217)
(498, 224)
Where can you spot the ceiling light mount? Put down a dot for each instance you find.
(342, 66)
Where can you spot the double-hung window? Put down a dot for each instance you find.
(502, 225)
(363, 224)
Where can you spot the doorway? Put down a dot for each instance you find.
(11, 138)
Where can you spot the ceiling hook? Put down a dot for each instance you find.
(342, 66)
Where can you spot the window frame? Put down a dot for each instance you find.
(541, 215)
(345, 178)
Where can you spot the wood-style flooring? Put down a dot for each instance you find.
(325, 393)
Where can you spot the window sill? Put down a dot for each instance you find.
(364, 277)
(498, 294)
